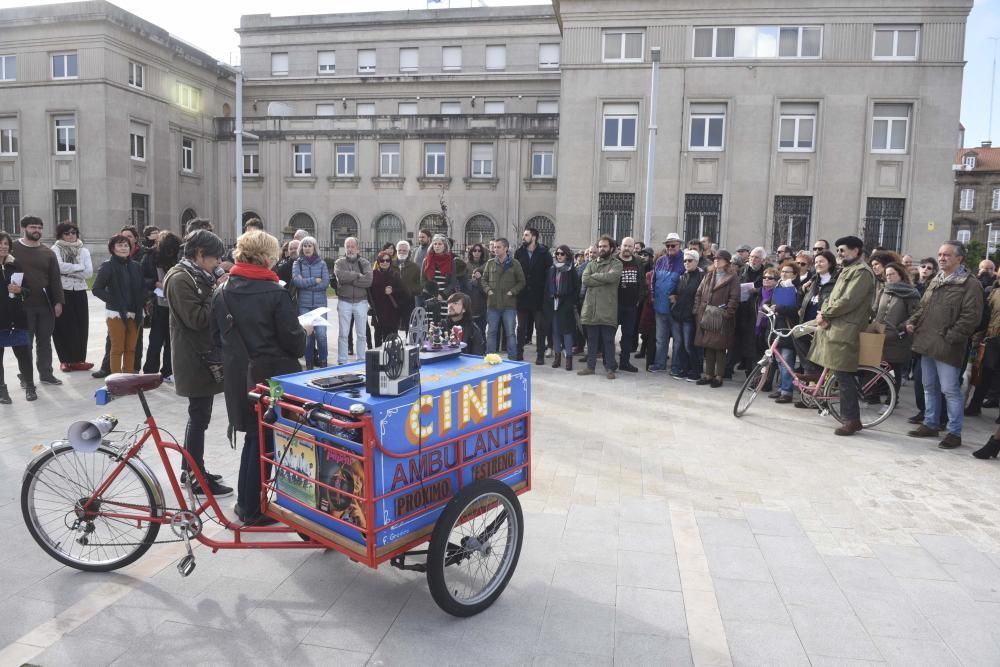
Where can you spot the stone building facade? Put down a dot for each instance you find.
(105, 120)
(976, 215)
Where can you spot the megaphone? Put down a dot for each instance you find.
(86, 436)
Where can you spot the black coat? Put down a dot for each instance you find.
(686, 290)
(264, 329)
(122, 299)
(536, 271)
(472, 335)
(569, 294)
(11, 310)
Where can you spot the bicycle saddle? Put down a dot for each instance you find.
(126, 384)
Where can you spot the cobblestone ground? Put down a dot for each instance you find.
(661, 531)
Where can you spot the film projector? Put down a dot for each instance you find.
(394, 368)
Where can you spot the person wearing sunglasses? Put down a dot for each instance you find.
(384, 296)
(476, 257)
(821, 245)
(666, 271)
(686, 363)
(804, 260)
(562, 291)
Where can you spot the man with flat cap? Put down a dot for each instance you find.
(841, 319)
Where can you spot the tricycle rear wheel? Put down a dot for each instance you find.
(474, 547)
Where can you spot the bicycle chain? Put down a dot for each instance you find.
(157, 541)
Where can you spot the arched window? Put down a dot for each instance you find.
(546, 229)
(187, 216)
(388, 229)
(435, 223)
(479, 229)
(302, 221)
(342, 226)
(251, 214)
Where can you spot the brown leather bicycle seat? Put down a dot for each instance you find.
(126, 384)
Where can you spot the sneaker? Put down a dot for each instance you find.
(774, 394)
(49, 379)
(716, 383)
(30, 394)
(917, 418)
(254, 520)
(100, 374)
(629, 368)
(656, 369)
(210, 476)
(169, 379)
(691, 378)
(677, 376)
(611, 375)
(784, 398)
(703, 381)
(923, 431)
(951, 441)
(585, 371)
(218, 490)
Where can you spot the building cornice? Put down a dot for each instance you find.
(258, 23)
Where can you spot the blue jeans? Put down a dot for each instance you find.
(315, 342)
(561, 340)
(346, 310)
(493, 318)
(687, 359)
(664, 324)
(787, 381)
(941, 378)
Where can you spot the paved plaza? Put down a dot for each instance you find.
(660, 531)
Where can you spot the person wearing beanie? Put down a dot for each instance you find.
(715, 313)
(840, 321)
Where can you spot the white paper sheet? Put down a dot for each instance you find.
(15, 279)
(158, 292)
(315, 317)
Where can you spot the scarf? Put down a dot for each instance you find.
(70, 252)
(958, 276)
(440, 262)
(311, 259)
(199, 274)
(765, 298)
(253, 272)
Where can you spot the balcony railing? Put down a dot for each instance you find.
(276, 128)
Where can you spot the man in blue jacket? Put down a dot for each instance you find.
(666, 273)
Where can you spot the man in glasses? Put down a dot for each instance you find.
(820, 246)
(666, 272)
(600, 306)
(843, 316)
(784, 252)
(946, 318)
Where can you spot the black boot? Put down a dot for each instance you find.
(989, 450)
(4, 396)
(29, 393)
(557, 360)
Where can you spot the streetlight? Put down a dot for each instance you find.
(647, 231)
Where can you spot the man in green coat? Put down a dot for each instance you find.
(502, 280)
(843, 316)
(600, 306)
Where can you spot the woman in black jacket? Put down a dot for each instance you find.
(13, 322)
(120, 286)
(562, 291)
(256, 325)
(155, 266)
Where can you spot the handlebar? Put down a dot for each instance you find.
(770, 313)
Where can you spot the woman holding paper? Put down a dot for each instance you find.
(384, 296)
(13, 322)
(311, 276)
(75, 266)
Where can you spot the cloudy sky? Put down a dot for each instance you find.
(205, 25)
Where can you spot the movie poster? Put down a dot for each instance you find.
(299, 456)
(344, 473)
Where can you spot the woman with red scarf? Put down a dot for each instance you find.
(255, 324)
(438, 280)
(384, 296)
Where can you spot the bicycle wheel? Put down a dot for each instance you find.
(752, 387)
(474, 547)
(876, 396)
(55, 486)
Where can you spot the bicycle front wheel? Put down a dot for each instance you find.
(754, 382)
(876, 396)
(54, 495)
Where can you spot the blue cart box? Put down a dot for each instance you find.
(472, 420)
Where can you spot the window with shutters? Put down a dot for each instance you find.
(366, 61)
(482, 160)
(8, 135)
(409, 59)
(326, 109)
(388, 160)
(708, 127)
(493, 107)
(451, 58)
(407, 109)
(890, 127)
(621, 123)
(451, 108)
(279, 64)
(326, 62)
(995, 205)
(621, 46)
(65, 206)
(496, 57)
(797, 127)
(547, 106)
(966, 199)
(548, 56)
(366, 108)
(892, 43)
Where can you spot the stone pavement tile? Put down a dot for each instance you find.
(772, 644)
(890, 614)
(601, 519)
(980, 579)
(315, 586)
(174, 643)
(655, 538)
(937, 598)
(588, 547)
(80, 652)
(650, 612)
(405, 647)
(910, 562)
(585, 581)
(832, 633)
(137, 614)
(736, 563)
(970, 637)
(824, 661)
(575, 659)
(726, 532)
(795, 552)
(951, 549)
(39, 577)
(308, 654)
(224, 605)
(648, 509)
(769, 522)
(647, 570)
(579, 627)
(282, 629)
(650, 650)
(915, 652)
(809, 588)
(862, 574)
(755, 601)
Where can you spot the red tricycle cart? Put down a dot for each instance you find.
(373, 477)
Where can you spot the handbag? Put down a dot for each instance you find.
(713, 319)
(15, 338)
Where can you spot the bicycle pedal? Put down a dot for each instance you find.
(186, 565)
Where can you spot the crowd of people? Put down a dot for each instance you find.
(220, 320)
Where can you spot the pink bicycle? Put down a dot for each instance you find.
(876, 389)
